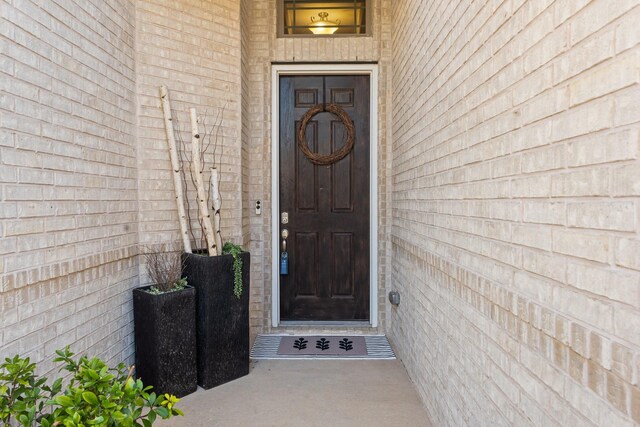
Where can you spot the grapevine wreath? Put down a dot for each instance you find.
(319, 159)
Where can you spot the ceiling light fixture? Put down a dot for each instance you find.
(323, 25)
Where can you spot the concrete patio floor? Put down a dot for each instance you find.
(309, 393)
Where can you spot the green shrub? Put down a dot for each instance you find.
(96, 395)
(23, 395)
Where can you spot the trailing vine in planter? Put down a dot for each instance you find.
(234, 250)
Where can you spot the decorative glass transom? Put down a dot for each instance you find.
(324, 18)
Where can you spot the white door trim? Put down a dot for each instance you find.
(278, 70)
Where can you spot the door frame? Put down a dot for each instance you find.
(371, 70)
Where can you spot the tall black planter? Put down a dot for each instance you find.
(165, 334)
(222, 319)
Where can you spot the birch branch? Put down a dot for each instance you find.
(215, 199)
(175, 166)
(205, 217)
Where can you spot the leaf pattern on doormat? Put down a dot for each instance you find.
(346, 345)
(300, 344)
(322, 344)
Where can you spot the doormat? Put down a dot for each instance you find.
(314, 347)
(317, 345)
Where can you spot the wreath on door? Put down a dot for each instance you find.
(319, 159)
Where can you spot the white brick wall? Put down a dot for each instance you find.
(515, 209)
(68, 196)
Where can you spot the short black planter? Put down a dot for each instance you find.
(165, 334)
(222, 318)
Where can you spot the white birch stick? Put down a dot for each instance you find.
(196, 164)
(215, 199)
(175, 166)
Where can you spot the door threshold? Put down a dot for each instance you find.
(328, 323)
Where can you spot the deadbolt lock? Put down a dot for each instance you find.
(284, 217)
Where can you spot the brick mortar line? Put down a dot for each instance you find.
(582, 230)
(17, 280)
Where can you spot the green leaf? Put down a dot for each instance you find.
(63, 401)
(90, 398)
(108, 405)
(163, 412)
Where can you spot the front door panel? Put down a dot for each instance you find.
(327, 206)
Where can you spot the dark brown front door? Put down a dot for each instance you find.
(327, 206)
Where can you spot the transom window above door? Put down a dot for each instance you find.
(323, 18)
